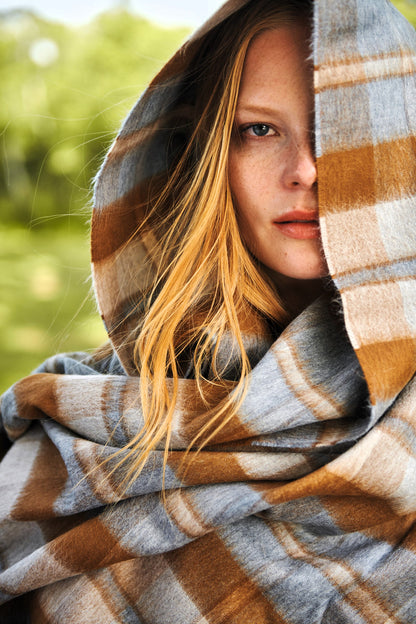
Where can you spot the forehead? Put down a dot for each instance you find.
(278, 59)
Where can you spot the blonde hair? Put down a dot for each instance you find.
(208, 286)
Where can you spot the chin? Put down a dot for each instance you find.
(310, 275)
(313, 271)
(316, 268)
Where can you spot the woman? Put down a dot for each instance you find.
(273, 407)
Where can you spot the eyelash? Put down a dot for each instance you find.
(244, 130)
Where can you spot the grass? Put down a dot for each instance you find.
(46, 303)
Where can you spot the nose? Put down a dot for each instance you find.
(300, 168)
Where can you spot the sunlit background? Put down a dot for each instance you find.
(163, 12)
(69, 72)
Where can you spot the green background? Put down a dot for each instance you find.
(64, 92)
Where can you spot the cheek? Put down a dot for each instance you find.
(236, 174)
(249, 192)
(245, 177)
(243, 194)
(253, 176)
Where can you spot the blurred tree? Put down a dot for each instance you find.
(407, 8)
(64, 92)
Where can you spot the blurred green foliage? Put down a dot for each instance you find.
(64, 93)
(407, 8)
(45, 301)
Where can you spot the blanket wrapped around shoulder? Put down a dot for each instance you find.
(310, 488)
(302, 508)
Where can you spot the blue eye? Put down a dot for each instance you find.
(260, 130)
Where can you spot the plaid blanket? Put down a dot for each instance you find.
(302, 510)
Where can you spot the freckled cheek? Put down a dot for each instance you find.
(244, 204)
(237, 174)
(252, 224)
(248, 180)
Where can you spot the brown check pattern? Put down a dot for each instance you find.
(302, 509)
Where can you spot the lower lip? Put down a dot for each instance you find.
(294, 229)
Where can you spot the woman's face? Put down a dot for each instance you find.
(271, 165)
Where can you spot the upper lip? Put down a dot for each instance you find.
(298, 215)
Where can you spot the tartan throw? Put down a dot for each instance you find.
(303, 508)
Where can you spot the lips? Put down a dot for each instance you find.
(301, 224)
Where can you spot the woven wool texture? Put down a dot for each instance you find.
(302, 510)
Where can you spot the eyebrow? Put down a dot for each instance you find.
(253, 108)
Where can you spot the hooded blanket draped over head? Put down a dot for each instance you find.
(303, 509)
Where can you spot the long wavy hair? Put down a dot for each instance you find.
(209, 289)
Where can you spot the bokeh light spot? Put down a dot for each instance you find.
(44, 52)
